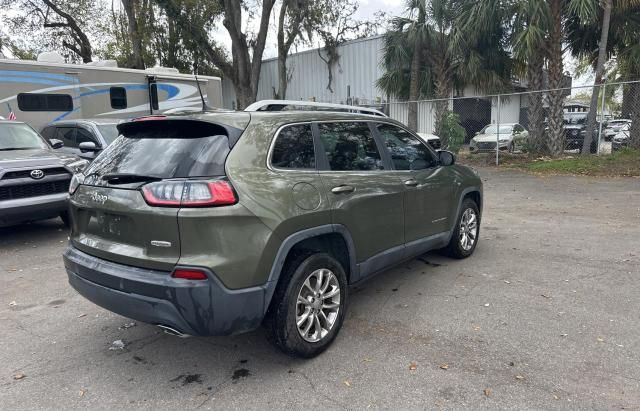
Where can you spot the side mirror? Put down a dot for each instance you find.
(447, 158)
(477, 133)
(88, 146)
(56, 144)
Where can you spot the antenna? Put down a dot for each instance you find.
(205, 107)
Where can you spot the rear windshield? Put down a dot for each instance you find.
(165, 149)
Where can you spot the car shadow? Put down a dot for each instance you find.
(34, 232)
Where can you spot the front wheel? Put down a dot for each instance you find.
(308, 306)
(466, 232)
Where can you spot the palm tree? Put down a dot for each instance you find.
(529, 36)
(442, 48)
(599, 36)
(405, 44)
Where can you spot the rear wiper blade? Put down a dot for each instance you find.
(128, 178)
(16, 148)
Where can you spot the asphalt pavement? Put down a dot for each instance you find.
(544, 315)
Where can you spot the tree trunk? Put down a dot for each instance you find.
(282, 53)
(443, 94)
(597, 85)
(135, 60)
(535, 109)
(82, 46)
(555, 136)
(414, 86)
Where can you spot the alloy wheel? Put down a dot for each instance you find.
(468, 229)
(318, 305)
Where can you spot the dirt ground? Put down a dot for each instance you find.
(544, 315)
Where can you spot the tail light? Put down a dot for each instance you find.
(189, 274)
(190, 193)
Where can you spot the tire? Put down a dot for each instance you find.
(456, 248)
(64, 216)
(281, 319)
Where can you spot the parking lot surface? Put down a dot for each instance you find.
(545, 314)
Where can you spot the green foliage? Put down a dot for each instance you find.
(622, 163)
(452, 131)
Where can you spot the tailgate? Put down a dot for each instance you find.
(117, 224)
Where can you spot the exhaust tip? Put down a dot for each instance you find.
(172, 331)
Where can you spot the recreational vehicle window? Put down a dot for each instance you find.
(154, 96)
(44, 102)
(118, 97)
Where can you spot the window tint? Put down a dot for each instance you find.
(48, 132)
(294, 148)
(165, 149)
(118, 97)
(83, 135)
(407, 152)
(44, 102)
(350, 146)
(154, 96)
(67, 135)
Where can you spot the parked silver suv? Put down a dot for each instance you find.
(34, 177)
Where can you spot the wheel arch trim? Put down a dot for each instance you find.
(296, 238)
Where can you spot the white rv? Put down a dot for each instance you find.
(39, 92)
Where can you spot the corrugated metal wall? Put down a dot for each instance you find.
(358, 68)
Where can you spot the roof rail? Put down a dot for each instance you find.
(279, 105)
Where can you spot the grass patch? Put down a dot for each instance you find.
(624, 163)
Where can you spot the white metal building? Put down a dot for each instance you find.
(354, 82)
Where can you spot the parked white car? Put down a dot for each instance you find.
(511, 137)
(614, 127)
(431, 139)
(621, 138)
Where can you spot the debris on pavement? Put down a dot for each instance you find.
(444, 366)
(117, 345)
(127, 325)
(487, 392)
(19, 376)
(13, 303)
(413, 366)
(347, 383)
(519, 377)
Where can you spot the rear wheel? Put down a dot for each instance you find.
(308, 306)
(466, 232)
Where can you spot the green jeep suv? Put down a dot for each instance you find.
(217, 222)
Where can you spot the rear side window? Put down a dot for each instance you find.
(294, 148)
(165, 149)
(118, 96)
(44, 102)
(350, 147)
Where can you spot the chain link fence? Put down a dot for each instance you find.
(553, 121)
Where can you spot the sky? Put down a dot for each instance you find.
(366, 11)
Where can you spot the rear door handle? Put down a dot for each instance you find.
(342, 189)
(411, 183)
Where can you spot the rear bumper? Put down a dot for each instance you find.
(203, 308)
(32, 208)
